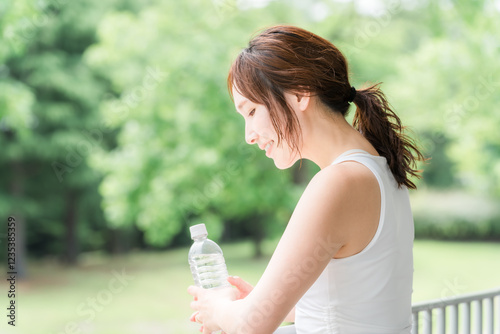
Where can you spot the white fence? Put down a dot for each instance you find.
(454, 315)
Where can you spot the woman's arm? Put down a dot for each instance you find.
(322, 223)
(291, 316)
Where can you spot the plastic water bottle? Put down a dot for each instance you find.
(206, 260)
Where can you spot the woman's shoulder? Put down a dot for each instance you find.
(346, 177)
(342, 189)
(347, 197)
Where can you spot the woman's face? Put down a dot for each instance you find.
(259, 130)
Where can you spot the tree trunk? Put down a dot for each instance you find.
(17, 191)
(258, 253)
(300, 173)
(71, 247)
(258, 236)
(118, 240)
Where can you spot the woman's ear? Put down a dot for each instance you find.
(299, 101)
(303, 100)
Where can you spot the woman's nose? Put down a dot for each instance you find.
(251, 137)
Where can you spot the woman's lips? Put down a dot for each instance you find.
(268, 148)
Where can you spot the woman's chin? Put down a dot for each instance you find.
(280, 164)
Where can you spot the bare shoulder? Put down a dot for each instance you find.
(349, 178)
(332, 219)
(346, 198)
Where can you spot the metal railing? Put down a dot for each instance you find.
(454, 314)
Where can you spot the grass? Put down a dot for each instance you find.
(152, 298)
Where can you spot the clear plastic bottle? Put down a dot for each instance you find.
(206, 260)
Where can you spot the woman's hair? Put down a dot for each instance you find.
(290, 59)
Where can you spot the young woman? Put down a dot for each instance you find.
(344, 263)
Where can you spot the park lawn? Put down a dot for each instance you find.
(149, 296)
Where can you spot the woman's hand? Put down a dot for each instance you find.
(243, 288)
(207, 303)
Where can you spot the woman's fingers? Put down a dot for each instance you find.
(201, 304)
(193, 317)
(193, 291)
(244, 288)
(240, 283)
(195, 305)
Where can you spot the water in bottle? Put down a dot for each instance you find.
(206, 260)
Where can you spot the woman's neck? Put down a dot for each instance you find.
(325, 137)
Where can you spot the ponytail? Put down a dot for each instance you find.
(380, 125)
(286, 59)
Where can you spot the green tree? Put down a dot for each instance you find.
(50, 126)
(447, 89)
(181, 157)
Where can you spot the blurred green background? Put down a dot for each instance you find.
(117, 133)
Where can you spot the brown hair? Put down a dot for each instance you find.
(290, 59)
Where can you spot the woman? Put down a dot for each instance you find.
(344, 263)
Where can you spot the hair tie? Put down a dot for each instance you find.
(352, 94)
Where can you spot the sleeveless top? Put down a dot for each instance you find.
(369, 292)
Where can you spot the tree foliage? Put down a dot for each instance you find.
(127, 100)
(48, 116)
(181, 157)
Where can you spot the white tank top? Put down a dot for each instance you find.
(369, 292)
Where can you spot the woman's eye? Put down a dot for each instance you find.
(252, 112)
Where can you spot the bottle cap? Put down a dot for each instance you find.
(198, 230)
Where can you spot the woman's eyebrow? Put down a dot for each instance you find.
(242, 103)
